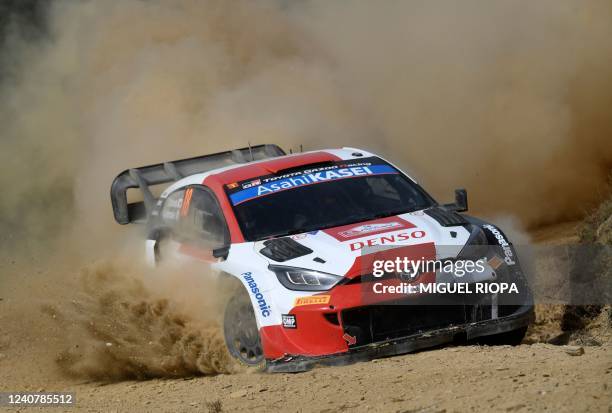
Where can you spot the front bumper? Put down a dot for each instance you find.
(522, 316)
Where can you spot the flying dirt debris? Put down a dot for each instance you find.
(119, 329)
(509, 99)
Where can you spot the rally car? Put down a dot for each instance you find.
(301, 233)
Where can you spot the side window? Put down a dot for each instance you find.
(170, 211)
(195, 217)
(201, 220)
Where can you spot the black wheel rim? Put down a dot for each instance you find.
(241, 335)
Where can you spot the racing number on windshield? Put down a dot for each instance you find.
(186, 202)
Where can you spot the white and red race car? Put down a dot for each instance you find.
(303, 233)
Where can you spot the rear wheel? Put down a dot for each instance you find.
(240, 329)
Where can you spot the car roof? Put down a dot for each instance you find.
(240, 172)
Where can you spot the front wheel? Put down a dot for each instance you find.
(240, 330)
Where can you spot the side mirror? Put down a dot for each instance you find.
(461, 200)
(221, 252)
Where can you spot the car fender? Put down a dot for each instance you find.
(253, 274)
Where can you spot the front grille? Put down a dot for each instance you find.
(378, 323)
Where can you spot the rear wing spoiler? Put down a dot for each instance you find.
(167, 172)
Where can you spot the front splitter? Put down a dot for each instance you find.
(431, 338)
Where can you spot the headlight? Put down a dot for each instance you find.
(301, 279)
(476, 246)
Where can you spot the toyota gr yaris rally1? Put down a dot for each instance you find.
(302, 235)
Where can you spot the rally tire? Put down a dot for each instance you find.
(240, 330)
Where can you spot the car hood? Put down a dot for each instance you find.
(337, 250)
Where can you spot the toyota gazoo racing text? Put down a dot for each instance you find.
(324, 247)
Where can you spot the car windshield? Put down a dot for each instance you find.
(323, 196)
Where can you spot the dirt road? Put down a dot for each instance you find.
(526, 378)
(530, 377)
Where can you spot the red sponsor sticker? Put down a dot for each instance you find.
(363, 229)
(390, 239)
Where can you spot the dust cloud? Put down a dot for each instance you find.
(125, 324)
(509, 99)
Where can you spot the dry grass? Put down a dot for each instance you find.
(597, 226)
(215, 406)
(594, 321)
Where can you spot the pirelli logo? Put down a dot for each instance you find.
(313, 299)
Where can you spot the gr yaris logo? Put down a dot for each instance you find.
(251, 184)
